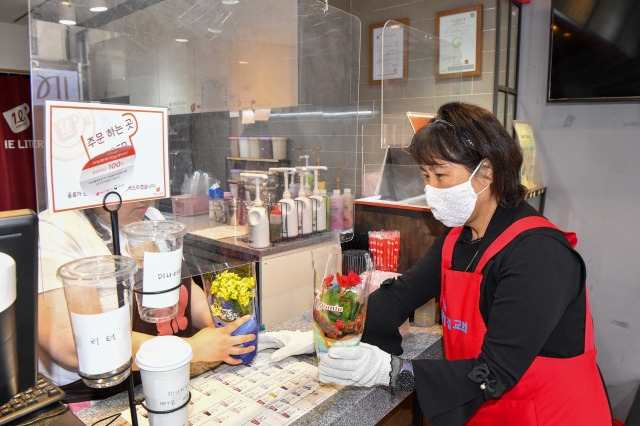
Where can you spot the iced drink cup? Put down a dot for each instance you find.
(98, 294)
(156, 245)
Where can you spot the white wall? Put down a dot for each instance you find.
(14, 47)
(590, 157)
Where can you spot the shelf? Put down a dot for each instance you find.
(251, 186)
(266, 160)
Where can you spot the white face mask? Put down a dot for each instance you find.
(453, 206)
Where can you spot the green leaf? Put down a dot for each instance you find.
(330, 297)
(346, 310)
(333, 316)
(355, 309)
(350, 296)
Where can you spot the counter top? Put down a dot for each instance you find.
(415, 203)
(208, 244)
(349, 406)
(201, 230)
(240, 244)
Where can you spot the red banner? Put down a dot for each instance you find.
(17, 175)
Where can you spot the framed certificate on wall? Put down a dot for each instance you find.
(388, 46)
(459, 50)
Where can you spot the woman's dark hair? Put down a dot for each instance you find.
(466, 134)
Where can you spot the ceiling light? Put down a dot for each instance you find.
(97, 5)
(66, 13)
(214, 30)
(230, 1)
(182, 40)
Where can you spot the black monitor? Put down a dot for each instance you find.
(19, 239)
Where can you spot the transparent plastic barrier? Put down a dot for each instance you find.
(257, 69)
(408, 87)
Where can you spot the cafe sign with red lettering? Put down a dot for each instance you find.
(96, 149)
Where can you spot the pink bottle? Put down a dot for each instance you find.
(336, 209)
(349, 201)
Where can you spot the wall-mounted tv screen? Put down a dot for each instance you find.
(594, 51)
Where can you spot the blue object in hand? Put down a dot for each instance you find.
(249, 327)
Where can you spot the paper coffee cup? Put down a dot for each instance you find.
(164, 369)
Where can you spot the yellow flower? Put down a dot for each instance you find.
(233, 295)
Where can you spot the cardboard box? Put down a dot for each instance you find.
(190, 205)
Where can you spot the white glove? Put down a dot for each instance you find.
(290, 343)
(362, 365)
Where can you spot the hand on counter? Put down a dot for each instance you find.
(289, 343)
(218, 344)
(362, 365)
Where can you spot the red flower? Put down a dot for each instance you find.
(349, 280)
(353, 278)
(327, 280)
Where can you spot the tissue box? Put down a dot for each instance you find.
(190, 205)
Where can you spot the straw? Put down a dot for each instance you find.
(358, 261)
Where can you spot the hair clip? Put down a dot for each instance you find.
(467, 141)
(440, 120)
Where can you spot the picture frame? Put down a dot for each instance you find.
(461, 28)
(395, 56)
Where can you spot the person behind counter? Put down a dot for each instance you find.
(76, 234)
(517, 330)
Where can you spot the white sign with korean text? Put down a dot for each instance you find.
(103, 341)
(162, 272)
(93, 149)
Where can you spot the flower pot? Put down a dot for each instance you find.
(341, 294)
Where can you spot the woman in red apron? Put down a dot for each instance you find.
(517, 328)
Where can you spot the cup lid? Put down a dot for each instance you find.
(97, 270)
(154, 229)
(163, 353)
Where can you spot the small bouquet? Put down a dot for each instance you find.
(340, 309)
(232, 294)
(233, 297)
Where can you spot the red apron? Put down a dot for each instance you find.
(553, 391)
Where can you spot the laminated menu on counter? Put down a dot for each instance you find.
(263, 393)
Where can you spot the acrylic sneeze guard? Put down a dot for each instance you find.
(283, 68)
(408, 89)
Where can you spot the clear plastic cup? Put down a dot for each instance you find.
(156, 245)
(98, 294)
(164, 370)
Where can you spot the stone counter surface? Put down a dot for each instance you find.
(349, 406)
